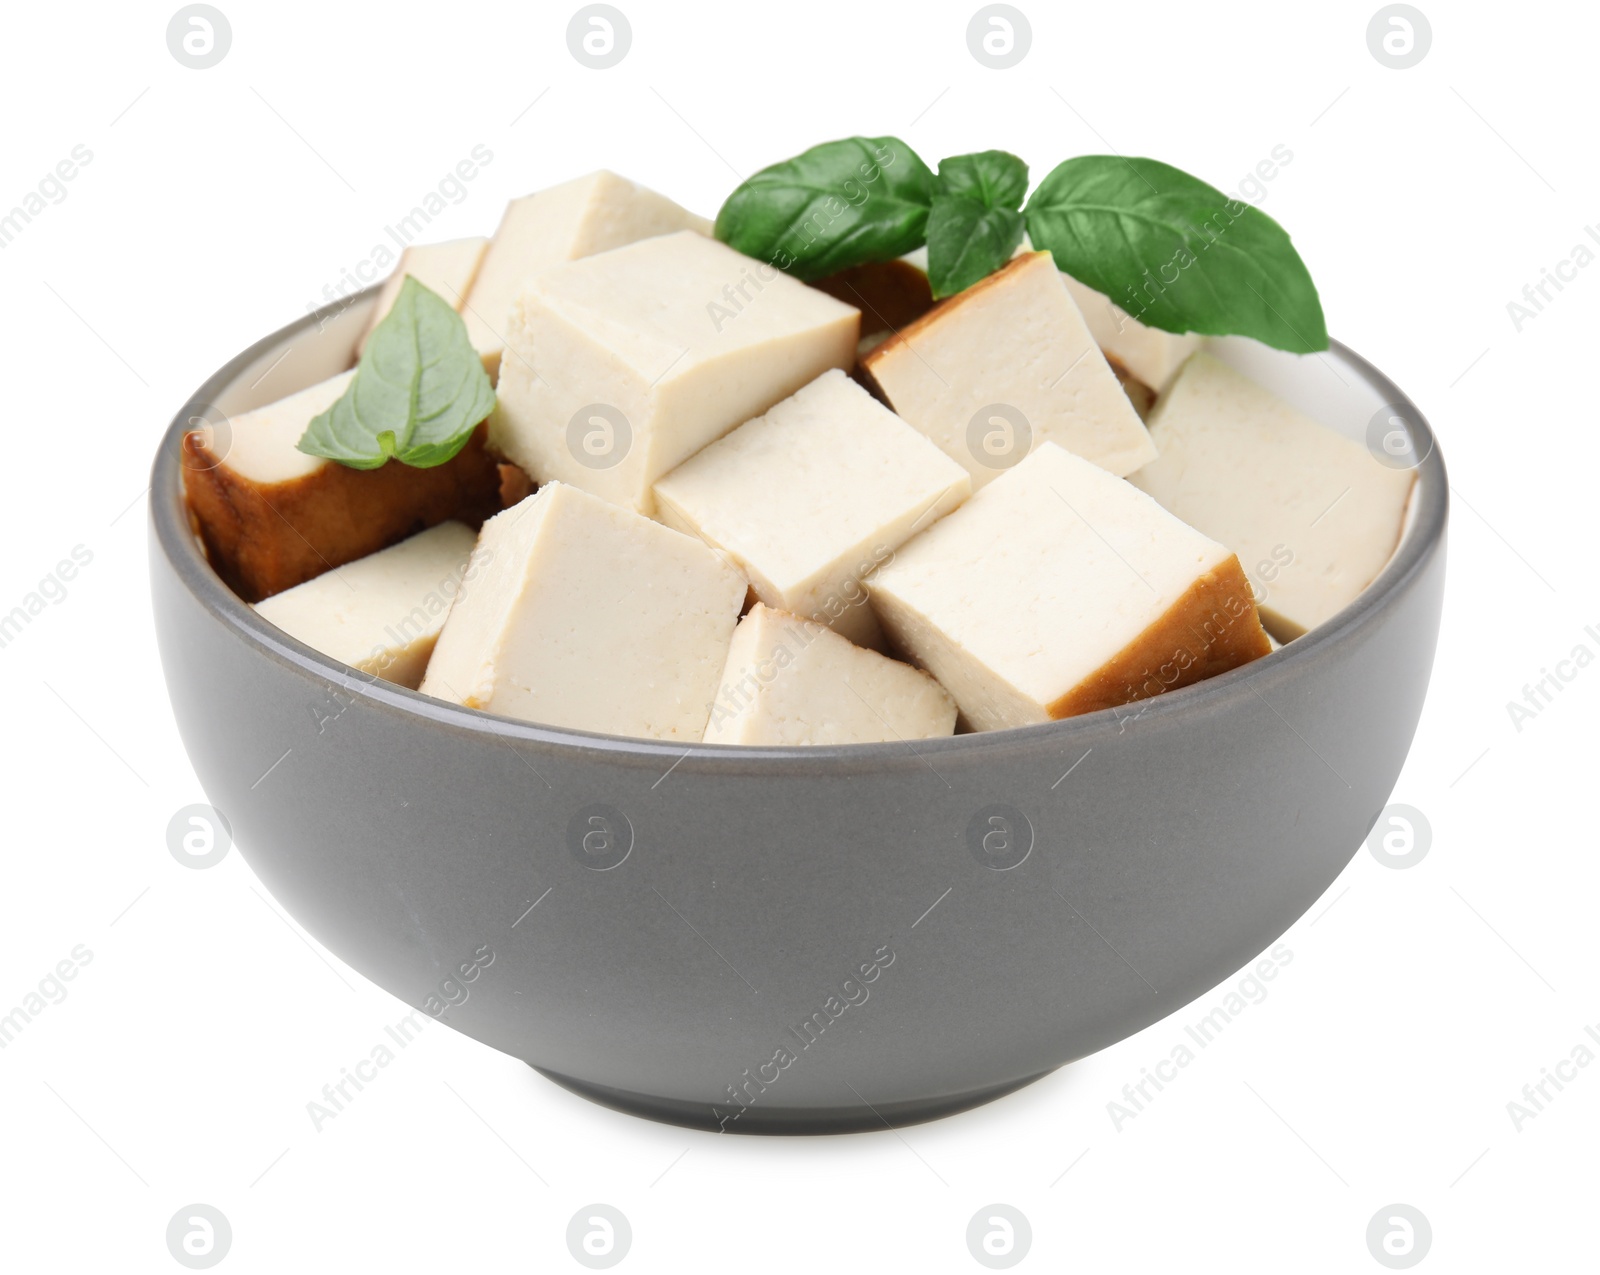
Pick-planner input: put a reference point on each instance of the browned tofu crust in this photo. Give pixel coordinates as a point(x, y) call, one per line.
point(1139, 394)
point(889, 294)
point(263, 538)
point(1212, 628)
point(515, 485)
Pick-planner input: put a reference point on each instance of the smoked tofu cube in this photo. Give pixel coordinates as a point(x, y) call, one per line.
point(1148, 355)
point(1059, 589)
point(629, 362)
point(1005, 366)
point(272, 517)
point(812, 496)
point(583, 615)
point(382, 613)
point(445, 269)
point(575, 219)
point(792, 681)
point(1312, 514)
point(889, 294)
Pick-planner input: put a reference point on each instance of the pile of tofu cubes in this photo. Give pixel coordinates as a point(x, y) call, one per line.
point(714, 503)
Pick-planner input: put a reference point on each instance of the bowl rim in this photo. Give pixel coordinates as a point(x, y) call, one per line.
point(170, 528)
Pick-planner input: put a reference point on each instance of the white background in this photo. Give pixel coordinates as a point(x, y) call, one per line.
point(1418, 1003)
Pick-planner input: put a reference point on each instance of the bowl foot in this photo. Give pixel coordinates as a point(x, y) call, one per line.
point(759, 1119)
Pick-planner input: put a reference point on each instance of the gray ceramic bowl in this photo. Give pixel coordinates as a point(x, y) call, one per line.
point(797, 940)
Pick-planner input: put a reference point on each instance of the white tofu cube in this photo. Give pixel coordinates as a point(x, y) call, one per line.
point(1149, 355)
point(627, 363)
point(382, 613)
point(1312, 514)
point(583, 615)
point(813, 496)
point(1005, 366)
point(792, 681)
point(1059, 589)
point(575, 219)
point(446, 269)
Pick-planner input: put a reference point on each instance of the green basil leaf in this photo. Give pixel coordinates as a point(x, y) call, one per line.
point(967, 241)
point(418, 393)
point(834, 206)
point(996, 179)
point(1175, 253)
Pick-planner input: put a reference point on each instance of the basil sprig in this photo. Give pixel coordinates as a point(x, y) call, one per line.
point(1172, 251)
point(1175, 253)
point(975, 221)
point(418, 393)
point(837, 205)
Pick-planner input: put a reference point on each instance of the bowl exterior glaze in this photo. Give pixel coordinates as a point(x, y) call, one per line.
point(798, 940)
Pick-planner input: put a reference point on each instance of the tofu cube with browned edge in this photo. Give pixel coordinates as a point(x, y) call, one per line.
point(1313, 515)
point(812, 496)
point(623, 365)
point(381, 614)
point(445, 269)
point(575, 219)
point(272, 517)
point(1059, 589)
point(1006, 366)
point(889, 294)
point(792, 681)
point(585, 615)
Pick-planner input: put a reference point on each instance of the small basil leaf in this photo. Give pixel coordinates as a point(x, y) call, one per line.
point(834, 206)
point(967, 241)
point(418, 393)
point(996, 179)
point(1175, 253)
